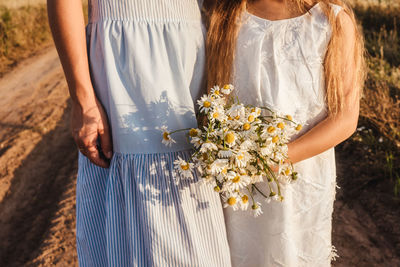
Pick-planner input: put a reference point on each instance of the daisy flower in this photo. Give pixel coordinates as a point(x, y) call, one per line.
point(194, 132)
point(225, 153)
point(196, 141)
point(256, 111)
point(227, 89)
point(266, 150)
point(241, 158)
point(166, 138)
point(237, 181)
point(256, 207)
point(183, 167)
point(237, 111)
point(208, 146)
point(218, 166)
point(205, 103)
point(248, 145)
point(244, 202)
point(230, 138)
point(231, 200)
point(217, 114)
point(216, 90)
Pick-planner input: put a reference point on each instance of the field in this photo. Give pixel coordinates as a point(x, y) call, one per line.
point(38, 157)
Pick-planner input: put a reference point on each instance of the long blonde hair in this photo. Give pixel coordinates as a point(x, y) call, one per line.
point(224, 17)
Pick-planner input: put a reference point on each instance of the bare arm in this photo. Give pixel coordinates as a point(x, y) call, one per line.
point(89, 121)
point(333, 130)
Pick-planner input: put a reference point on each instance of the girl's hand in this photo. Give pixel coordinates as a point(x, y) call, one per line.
point(90, 125)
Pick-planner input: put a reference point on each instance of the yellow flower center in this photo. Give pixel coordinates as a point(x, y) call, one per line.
point(216, 92)
point(193, 132)
point(271, 129)
point(250, 118)
point(254, 206)
point(237, 117)
point(166, 136)
point(299, 127)
point(215, 115)
point(224, 171)
point(217, 189)
point(236, 179)
point(245, 199)
point(229, 138)
point(275, 139)
point(230, 118)
point(231, 201)
point(289, 117)
point(246, 126)
point(226, 86)
point(287, 171)
point(207, 104)
point(281, 125)
point(240, 157)
point(185, 166)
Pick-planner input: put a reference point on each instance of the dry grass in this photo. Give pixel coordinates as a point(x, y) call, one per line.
point(20, 3)
point(23, 32)
point(379, 126)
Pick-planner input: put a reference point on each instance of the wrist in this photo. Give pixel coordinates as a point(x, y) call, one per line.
point(290, 153)
point(83, 98)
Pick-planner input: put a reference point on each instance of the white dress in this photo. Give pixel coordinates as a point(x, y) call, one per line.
point(280, 64)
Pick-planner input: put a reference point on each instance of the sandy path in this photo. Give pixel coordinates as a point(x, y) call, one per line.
point(37, 166)
point(38, 170)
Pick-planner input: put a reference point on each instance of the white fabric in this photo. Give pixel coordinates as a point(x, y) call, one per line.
point(280, 64)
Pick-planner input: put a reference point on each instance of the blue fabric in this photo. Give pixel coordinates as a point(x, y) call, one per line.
point(138, 214)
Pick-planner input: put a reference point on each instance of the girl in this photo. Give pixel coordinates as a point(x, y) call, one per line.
point(305, 59)
point(146, 61)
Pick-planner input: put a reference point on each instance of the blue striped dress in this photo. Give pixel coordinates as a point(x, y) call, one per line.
point(147, 61)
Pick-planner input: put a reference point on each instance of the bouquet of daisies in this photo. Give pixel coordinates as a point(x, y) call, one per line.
point(239, 147)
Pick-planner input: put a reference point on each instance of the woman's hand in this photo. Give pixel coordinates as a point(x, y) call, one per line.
point(90, 125)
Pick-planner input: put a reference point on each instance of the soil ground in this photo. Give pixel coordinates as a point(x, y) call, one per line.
point(38, 164)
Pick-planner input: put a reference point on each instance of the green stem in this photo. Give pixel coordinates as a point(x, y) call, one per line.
point(180, 130)
point(279, 117)
point(279, 188)
point(259, 191)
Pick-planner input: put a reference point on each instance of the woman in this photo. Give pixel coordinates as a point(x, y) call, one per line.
point(146, 62)
point(306, 59)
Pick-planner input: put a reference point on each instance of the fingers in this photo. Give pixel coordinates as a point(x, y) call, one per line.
point(105, 141)
point(93, 154)
point(87, 146)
